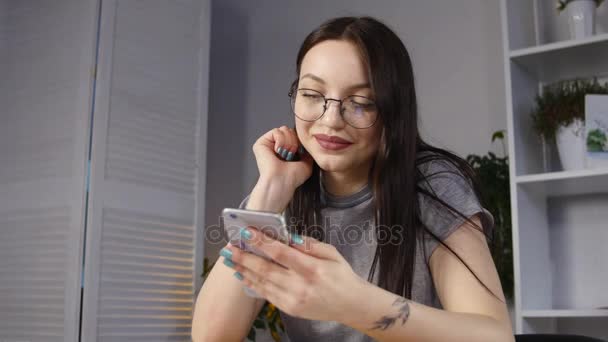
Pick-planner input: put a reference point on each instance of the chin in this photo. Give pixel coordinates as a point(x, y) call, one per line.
point(330, 163)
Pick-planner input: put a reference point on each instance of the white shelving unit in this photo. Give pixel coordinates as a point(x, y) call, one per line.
point(560, 218)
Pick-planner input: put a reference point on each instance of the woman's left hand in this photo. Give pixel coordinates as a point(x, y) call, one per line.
point(316, 283)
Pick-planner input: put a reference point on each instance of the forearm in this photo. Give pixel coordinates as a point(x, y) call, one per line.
point(388, 317)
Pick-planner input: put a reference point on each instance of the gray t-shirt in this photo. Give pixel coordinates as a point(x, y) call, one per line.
point(348, 225)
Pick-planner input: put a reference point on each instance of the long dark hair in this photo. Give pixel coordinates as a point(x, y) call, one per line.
point(395, 176)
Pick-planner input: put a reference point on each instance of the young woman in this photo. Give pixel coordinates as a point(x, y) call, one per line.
point(425, 274)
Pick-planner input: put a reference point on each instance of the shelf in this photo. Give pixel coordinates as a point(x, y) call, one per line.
point(564, 313)
point(566, 59)
point(559, 218)
point(565, 183)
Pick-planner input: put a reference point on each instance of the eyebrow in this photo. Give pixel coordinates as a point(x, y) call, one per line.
point(320, 80)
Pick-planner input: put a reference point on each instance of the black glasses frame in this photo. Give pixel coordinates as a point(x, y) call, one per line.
point(325, 106)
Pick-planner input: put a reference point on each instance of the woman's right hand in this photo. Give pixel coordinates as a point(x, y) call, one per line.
point(278, 167)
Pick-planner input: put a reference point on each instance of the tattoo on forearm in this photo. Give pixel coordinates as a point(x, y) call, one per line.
point(403, 312)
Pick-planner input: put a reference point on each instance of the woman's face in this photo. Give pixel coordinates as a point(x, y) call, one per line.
point(335, 69)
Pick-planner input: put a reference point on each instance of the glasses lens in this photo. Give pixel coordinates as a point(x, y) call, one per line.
point(307, 104)
point(359, 111)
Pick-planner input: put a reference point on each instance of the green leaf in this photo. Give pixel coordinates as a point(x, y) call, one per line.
point(251, 335)
point(259, 324)
point(493, 176)
point(562, 103)
point(498, 135)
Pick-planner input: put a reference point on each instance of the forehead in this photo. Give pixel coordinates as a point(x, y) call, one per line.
point(338, 62)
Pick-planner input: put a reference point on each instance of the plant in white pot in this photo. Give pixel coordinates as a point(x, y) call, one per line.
point(560, 116)
point(581, 16)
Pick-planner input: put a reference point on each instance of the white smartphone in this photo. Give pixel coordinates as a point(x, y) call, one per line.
point(271, 224)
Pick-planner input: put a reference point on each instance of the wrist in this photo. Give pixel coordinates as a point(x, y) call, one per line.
point(271, 195)
point(356, 312)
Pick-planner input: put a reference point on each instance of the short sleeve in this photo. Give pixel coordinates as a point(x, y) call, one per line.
point(446, 182)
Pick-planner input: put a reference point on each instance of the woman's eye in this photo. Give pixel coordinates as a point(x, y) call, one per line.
point(361, 105)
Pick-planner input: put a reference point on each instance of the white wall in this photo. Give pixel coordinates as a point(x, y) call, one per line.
point(456, 50)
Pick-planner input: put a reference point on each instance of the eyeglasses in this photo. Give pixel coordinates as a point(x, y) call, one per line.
point(310, 105)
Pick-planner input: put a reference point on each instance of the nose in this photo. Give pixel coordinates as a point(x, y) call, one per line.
point(333, 117)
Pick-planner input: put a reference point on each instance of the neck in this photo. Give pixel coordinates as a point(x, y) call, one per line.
point(345, 183)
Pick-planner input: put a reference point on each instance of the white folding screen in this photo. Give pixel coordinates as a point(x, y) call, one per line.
point(46, 59)
point(147, 173)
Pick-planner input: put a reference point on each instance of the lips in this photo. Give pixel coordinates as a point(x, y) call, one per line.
point(333, 143)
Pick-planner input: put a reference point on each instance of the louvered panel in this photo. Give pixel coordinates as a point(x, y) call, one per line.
point(169, 110)
point(46, 54)
point(161, 113)
point(153, 127)
point(33, 255)
point(34, 142)
point(146, 177)
point(182, 151)
point(154, 262)
point(165, 83)
point(145, 190)
point(3, 47)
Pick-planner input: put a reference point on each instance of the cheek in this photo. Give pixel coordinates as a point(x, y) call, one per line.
point(371, 139)
point(303, 131)
point(370, 144)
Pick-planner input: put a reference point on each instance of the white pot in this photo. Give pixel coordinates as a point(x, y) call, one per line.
point(571, 145)
point(581, 18)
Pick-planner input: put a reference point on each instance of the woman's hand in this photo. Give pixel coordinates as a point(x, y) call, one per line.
point(274, 153)
point(316, 282)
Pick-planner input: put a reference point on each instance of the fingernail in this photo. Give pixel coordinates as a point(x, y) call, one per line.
point(245, 234)
point(238, 275)
point(226, 253)
point(228, 263)
point(296, 239)
point(284, 153)
point(290, 155)
point(279, 149)
point(301, 149)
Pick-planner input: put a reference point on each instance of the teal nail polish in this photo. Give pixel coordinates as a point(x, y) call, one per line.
point(245, 234)
point(284, 153)
point(226, 253)
point(296, 239)
point(238, 276)
point(301, 149)
point(228, 263)
point(290, 155)
point(279, 149)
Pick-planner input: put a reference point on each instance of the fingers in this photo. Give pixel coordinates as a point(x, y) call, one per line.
point(280, 252)
point(316, 248)
point(283, 141)
point(257, 268)
point(288, 145)
point(267, 289)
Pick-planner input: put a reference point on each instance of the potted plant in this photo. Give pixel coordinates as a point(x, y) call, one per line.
point(493, 174)
point(267, 318)
point(581, 16)
point(559, 116)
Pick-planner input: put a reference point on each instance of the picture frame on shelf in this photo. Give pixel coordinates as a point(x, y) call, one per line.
point(596, 131)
